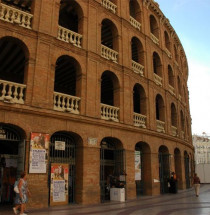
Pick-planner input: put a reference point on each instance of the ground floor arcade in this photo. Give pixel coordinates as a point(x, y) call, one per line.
point(88, 158)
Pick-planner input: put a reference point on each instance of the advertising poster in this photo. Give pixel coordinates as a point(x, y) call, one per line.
point(39, 146)
point(59, 184)
point(137, 166)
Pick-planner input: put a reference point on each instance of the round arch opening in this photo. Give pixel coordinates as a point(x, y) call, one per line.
point(164, 168)
point(12, 160)
point(112, 167)
point(62, 164)
point(143, 169)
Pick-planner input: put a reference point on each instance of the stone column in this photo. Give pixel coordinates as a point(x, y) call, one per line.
point(130, 171)
point(155, 190)
point(88, 174)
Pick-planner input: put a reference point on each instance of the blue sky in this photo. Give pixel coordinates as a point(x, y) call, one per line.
point(191, 21)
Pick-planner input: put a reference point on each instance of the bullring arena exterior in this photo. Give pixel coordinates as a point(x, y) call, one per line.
point(91, 86)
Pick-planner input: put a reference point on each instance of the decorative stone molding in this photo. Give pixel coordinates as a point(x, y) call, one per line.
point(15, 16)
point(160, 126)
point(12, 92)
point(69, 36)
point(108, 53)
point(174, 131)
point(154, 38)
point(109, 5)
point(158, 80)
point(139, 120)
point(66, 103)
point(168, 52)
point(135, 23)
point(138, 68)
point(109, 112)
point(171, 90)
point(146, 3)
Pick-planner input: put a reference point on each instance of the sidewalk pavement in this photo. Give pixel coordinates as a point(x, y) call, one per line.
point(183, 203)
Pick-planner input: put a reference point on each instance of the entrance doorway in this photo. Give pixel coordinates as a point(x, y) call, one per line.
point(142, 168)
point(112, 166)
point(187, 169)
point(178, 166)
point(164, 168)
point(12, 160)
point(62, 157)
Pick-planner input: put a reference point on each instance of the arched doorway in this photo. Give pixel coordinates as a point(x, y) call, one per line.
point(142, 168)
point(63, 157)
point(12, 160)
point(112, 165)
point(187, 169)
point(178, 166)
point(164, 168)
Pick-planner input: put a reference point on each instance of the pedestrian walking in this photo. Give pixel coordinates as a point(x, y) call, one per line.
point(22, 198)
point(17, 196)
point(196, 182)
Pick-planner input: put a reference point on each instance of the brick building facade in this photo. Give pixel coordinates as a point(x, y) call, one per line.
point(108, 78)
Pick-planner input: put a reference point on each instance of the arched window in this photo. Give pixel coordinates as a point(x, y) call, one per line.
point(176, 54)
point(139, 106)
point(110, 96)
point(167, 41)
point(135, 14)
point(70, 16)
point(139, 99)
point(14, 57)
point(182, 121)
point(170, 76)
point(66, 73)
point(137, 51)
point(109, 40)
point(154, 29)
point(160, 108)
point(157, 66)
point(70, 22)
point(179, 86)
point(66, 84)
point(173, 115)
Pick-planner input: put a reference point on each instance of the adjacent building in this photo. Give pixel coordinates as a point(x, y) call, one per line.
point(202, 157)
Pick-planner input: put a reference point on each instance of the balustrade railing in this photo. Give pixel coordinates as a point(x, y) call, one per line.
point(13, 15)
point(69, 36)
point(135, 23)
point(158, 80)
point(68, 103)
point(154, 39)
point(109, 112)
point(108, 53)
point(168, 52)
point(160, 126)
point(174, 131)
point(182, 134)
point(171, 90)
point(138, 68)
point(139, 120)
point(12, 92)
point(180, 98)
point(109, 5)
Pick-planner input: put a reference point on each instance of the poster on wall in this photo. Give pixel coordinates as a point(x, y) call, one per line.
point(59, 184)
point(137, 166)
point(39, 146)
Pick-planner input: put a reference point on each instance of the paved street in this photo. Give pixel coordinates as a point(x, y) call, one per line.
point(183, 203)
